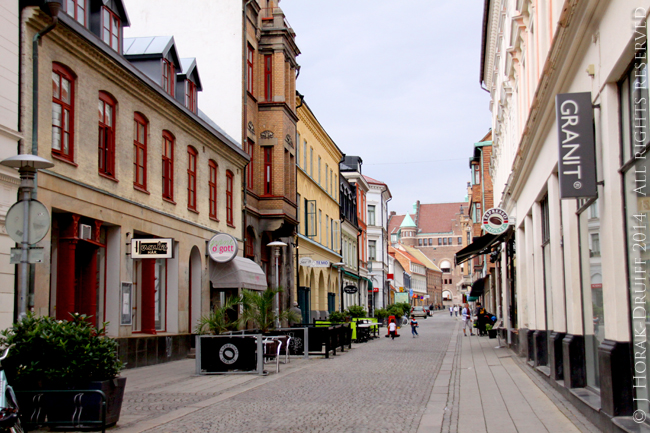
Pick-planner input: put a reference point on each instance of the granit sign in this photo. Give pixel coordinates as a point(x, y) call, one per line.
point(577, 162)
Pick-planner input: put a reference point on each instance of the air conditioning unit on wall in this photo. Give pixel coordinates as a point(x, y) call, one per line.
point(84, 231)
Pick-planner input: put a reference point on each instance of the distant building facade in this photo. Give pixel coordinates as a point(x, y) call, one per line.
point(378, 197)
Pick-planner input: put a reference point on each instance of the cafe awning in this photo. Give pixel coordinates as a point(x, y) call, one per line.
point(238, 273)
point(481, 245)
point(478, 287)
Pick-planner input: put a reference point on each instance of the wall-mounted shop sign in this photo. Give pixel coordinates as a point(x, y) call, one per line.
point(350, 289)
point(577, 161)
point(222, 248)
point(152, 248)
point(305, 261)
point(320, 264)
point(495, 221)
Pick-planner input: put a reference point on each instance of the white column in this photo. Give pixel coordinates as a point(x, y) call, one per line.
point(557, 256)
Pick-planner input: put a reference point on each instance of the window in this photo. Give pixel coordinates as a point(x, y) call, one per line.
point(212, 187)
point(168, 76)
point(477, 174)
point(430, 241)
point(268, 77)
point(160, 296)
point(191, 177)
point(62, 112)
point(320, 226)
point(372, 250)
point(249, 69)
point(140, 151)
point(445, 267)
point(111, 29)
point(304, 156)
point(419, 242)
point(444, 241)
point(268, 170)
point(332, 184)
point(229, 181)
point(327, 179)
point(371, 217)
point(168, 166)
point(77, 10)
point(595, 245)
point(298, 212)
point(298, 150)
point(460, 240)
point(311, 162)
point(190, 96)
point(106, 139)
point(249, 246)
point(310, 218)
point(319, 171)
point(449, 241)
point(250, 172)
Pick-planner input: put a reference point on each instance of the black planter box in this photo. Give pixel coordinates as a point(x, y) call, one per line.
point(492, 333)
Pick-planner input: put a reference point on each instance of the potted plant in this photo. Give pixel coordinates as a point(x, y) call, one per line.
point(492, 333)
point(337, 317)
point(381, 314)
point(356, 311)
point(52, 354)
point(219, 321)
point(258, 309)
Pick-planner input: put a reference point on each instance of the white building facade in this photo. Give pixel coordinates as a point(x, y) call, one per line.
point(377, 200)
point(573, 290)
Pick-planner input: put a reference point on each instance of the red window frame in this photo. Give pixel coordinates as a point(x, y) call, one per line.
point(249, 246)
point(111, 29)
point(250, 55)
point(212, 187)
point(168, 166)
point(229, 185)
point(250, 170)
point(106, 139)
point(63, 123)
point(191, 177)
point(77, 8)
point(168, 76)
point(190, 96)
point(268, 77)
point(140, 126)
point(268, 170)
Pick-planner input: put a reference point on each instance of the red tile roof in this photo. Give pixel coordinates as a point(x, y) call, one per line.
point(394, 223)
point(439, 217)
point(371, 180)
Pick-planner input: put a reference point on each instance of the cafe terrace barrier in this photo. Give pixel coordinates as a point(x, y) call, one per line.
point(299, 340)
point(329, 336)
point(229, 354)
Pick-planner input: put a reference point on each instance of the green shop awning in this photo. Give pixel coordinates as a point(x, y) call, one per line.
point(351, 275)
point(369, 283)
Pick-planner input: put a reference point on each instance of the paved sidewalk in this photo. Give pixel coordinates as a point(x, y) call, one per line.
point(484, 388)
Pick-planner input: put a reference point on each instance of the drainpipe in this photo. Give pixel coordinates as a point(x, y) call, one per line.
point(53, 7)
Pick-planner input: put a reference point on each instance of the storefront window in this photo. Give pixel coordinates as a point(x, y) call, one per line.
point(161, 284)
point(592, 290)
point(636, 140)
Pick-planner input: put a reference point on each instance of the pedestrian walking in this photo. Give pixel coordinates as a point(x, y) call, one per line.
point(467, 320)
point(392, 329)
point(414, 326)
point(456, 310)
point(451, 311)
point(298, 315)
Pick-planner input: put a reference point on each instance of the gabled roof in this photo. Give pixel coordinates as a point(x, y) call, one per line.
point(422, 257)
point(117, 6)
point(190, 71)
point(151, 47)
point(394, 223)
point(408, 221)
point(439, 217)
point(403, 257)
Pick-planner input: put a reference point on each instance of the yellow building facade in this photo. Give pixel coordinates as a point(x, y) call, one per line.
point(319, 228)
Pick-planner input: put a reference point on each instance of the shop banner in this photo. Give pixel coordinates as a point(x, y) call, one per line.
point(153, 248)
point(577, 160)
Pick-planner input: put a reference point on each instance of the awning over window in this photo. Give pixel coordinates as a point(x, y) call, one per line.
point(369, 283)
point(478, 287)
point(238, 273)
point(481, 245)
point(351, 275)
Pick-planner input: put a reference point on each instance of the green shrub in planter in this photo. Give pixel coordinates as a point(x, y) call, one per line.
point(381, 313)
point(337, 317)
point(58, 354)
point(356, 311)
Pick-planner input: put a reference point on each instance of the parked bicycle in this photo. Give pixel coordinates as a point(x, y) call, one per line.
point(9, 420)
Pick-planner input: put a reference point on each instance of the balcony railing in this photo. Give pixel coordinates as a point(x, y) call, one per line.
point(267, 14)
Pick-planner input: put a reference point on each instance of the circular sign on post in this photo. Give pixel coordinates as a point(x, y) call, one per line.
point(222, 248)
point(495, 221)
point(39, 221)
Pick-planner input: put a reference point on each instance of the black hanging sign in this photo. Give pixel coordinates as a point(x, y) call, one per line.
point(350, 289)
point(577, 161)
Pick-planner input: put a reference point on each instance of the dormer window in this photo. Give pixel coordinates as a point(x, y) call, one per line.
point(168, 76)
point(190, 96)
point(110, 28)
point(77, 10)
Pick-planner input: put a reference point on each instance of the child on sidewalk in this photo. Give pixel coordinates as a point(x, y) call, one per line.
point(414, 325)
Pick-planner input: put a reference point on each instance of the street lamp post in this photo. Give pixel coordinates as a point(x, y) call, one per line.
point(276, 248)
point(27, 166)
point(339, 266)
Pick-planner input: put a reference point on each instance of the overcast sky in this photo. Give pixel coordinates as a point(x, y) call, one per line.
point(397, 83)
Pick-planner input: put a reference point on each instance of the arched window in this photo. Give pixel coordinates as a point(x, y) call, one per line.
point(106, 139)
point(191, 177)
point(229, 187)
point(249, 247)
point(140, 126)
point(168, 166)
point(212, 187)
point(63, 80)
point(445, 266)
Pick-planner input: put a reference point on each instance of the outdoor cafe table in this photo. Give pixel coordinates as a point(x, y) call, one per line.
point(363, 332)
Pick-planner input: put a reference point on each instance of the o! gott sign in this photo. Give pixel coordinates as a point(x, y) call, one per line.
point(222, 248)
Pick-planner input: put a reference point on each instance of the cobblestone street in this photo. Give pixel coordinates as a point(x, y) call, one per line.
point(437, 382)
